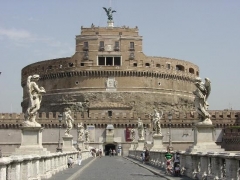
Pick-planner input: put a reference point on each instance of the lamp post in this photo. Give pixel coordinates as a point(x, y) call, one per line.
point(170, 133)
point(59, 149)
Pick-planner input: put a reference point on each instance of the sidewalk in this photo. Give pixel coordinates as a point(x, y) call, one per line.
point(158, 171)
point(72, 173)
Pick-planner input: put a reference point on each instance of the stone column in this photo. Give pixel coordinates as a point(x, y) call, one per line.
point(35, 167)
point(215, 165)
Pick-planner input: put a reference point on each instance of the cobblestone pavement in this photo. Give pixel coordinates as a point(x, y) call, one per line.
point(113, 168)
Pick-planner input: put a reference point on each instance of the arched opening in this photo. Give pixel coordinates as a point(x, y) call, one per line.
point(108, 147)
point(191, 70)
point(179, 68)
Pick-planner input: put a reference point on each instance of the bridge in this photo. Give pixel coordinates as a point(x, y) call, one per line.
point(194, 165)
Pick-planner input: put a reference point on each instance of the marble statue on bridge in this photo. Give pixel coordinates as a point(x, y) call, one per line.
point(35, 98)
point(156, 117)
point(132, 134)
point(87, 138)
point(68, 120)
point(201, 95)
point(140, 130)
point(80, 131)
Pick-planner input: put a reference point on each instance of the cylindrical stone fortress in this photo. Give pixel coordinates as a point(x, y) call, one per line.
point(109, 66)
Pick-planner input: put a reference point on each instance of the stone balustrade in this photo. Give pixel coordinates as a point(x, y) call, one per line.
point(210, 165)
point(22, 167)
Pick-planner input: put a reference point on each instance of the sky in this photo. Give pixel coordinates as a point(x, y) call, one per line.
point(206, 33)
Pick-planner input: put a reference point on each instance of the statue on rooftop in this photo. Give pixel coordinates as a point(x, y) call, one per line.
point(109, 12)
point(68, 120)
point(35, 98)
point(140, 129)
point(156, 117)
point(201, 95)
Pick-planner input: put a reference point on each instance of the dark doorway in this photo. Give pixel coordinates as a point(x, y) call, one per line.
point(108, 147)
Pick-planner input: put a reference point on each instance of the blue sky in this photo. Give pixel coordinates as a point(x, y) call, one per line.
point(206, 33)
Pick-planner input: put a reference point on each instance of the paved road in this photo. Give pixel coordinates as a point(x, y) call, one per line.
point(113, 168)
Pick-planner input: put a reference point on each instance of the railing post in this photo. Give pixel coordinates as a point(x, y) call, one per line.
point(231, 167)
point(15, 168)
point(4, 163)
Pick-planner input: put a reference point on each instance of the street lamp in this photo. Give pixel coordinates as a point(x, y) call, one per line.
point(170, 133)
point(59, 149)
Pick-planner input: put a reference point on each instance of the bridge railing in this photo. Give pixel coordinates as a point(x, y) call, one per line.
point(199, 165)
point(22, 167)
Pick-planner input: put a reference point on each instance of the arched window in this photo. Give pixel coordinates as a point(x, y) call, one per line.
point(180, 68)
point(191, 70)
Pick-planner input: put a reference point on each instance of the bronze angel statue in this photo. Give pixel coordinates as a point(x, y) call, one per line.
point(201, 95)
point(109, 12)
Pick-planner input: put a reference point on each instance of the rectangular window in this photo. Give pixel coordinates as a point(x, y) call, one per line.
point(169, 66)
point(101, 61)
point(101, 44)
point(116, 45)
point(131, 45)
point(110, 113)
point(109, 61)
point(117, 61)
point(85, 44)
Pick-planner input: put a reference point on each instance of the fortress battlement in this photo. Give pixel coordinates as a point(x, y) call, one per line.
point(50, 119)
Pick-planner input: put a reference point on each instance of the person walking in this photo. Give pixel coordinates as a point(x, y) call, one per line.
point(168, 158)
point(110, 152)
point(100, 153)
point(79, 158)
point(143, 156)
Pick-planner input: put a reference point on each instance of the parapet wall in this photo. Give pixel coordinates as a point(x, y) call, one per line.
point(100, 120)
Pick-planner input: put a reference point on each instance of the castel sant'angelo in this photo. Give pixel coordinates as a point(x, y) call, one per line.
point(110, 81)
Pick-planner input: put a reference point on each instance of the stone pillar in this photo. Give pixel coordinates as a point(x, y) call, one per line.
point(140, 145)
point(14, 171)
point(232, 166)
point(203, 171)
point(35, 167)
point(31, 142)
point(215, 165)
point(68, 144)
point(204, 140)
point(158, 143)
point(3, 166)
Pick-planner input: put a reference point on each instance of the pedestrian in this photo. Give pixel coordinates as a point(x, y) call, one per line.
point(168, 158)
point(79, 158)
point(176, 160)
point(100, 153)
point(143, 156)
point(114, 152)
point(110, 152)
point(147, 156)
point(70, 162)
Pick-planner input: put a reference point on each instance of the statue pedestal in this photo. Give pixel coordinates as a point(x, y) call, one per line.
point(86, 145)
point(133, 145)
point(80, 144)
point(204, 140)
point(140, 145)
point(68, 144)
point(31, 142)
point(110, 23)
point(158, 142)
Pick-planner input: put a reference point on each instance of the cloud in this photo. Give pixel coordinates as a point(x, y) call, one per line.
point(15, 34)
